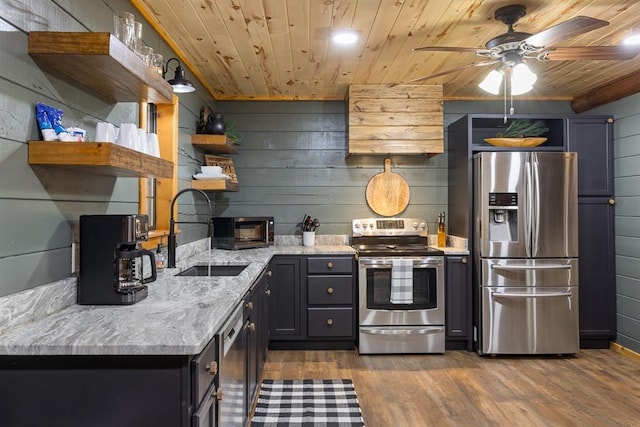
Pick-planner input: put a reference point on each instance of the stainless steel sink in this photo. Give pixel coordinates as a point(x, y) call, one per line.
point(213, 270)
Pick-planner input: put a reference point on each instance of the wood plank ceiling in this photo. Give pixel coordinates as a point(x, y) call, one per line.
point(281, 49)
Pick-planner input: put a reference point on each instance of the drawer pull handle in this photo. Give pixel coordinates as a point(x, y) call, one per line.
point(219, 394)
point(212, 368)
point(329, 265)
point(269, 273)
point(464, 260)
point(330, 291)
point(249, 305)
point(268, 292)
point(252, 326)
point(329, 322)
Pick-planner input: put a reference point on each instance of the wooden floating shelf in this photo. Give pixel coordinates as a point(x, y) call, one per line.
point(215, 185)
point(213, 143)
point(99, 158)
point(100, 62)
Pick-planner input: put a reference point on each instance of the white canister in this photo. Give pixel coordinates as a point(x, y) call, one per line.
point(308, 238)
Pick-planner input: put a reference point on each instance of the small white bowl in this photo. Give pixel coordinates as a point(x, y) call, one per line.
point(211, 170)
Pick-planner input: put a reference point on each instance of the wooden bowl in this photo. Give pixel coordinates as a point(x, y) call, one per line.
point(515, 142)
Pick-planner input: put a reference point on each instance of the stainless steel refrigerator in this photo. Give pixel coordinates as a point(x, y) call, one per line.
point(526, 252)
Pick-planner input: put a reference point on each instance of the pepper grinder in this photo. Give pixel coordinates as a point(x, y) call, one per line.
point(442, 230)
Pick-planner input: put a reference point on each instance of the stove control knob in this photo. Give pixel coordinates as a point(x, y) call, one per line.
point(423, 226)
point(371, 226)
point(415, 225)
point(365, 226)
point(356, 225)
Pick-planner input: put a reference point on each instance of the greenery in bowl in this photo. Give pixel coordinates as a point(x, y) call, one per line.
point(231, 131)
point(524, 128)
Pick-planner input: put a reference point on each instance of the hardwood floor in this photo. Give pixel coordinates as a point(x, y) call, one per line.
point(594, 388)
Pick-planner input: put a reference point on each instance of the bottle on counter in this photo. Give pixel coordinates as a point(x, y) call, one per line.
point(442, 230)
point(160, 261)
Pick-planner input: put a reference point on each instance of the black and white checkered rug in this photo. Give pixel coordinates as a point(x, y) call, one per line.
point(321, 403)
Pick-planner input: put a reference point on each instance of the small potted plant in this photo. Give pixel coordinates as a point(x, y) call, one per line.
point(521, 133)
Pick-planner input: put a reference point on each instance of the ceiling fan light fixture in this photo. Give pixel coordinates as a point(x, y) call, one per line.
point(522, 79)
point(179, 83)
point(492, 82)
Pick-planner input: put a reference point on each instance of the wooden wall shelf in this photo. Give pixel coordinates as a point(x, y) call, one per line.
point(101, 63)
point(98, 158)
point(215, 185)
point(213, 143)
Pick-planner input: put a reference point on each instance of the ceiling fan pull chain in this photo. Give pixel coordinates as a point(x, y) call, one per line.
point(504, 82)
point(511, 110)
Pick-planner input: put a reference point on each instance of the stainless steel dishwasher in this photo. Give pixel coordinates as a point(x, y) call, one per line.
point(232, 371)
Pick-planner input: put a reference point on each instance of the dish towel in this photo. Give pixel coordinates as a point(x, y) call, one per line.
point(402, 281)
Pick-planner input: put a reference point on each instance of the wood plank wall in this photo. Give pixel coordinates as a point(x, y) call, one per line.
point(627, 217)
point(40, 206)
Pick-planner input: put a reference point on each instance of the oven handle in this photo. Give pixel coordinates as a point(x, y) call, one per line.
point(400, 331)
point(417, 262)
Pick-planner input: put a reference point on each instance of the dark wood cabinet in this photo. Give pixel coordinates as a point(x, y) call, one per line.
point(312, 302)
point(592, 139)
point(285, 319)
point(256, 310)
point(458, 307)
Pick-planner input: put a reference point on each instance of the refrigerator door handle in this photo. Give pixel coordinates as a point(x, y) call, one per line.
point(528, 208)
point(535, 205)
point(517, 267)
point(495, 294)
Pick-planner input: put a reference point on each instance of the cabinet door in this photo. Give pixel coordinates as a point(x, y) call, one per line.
point(252, 310)
point(205, 415)
point(592, 139)
point(284, 308)
point(596, 272)
point(458, 300)
point(263, 322)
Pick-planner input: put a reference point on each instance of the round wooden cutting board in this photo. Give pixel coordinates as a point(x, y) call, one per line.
point(388, 193)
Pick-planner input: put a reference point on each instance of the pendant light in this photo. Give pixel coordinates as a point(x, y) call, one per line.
point(179, 83)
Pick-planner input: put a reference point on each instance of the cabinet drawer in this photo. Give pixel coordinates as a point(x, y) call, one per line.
point(205, 369)
point(330, 322)
point(330, 265)
point(329, 290)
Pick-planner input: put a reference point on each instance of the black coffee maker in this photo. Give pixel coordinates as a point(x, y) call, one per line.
point(112, 266)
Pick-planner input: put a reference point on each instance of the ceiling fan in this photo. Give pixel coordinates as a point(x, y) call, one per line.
point(513, 47)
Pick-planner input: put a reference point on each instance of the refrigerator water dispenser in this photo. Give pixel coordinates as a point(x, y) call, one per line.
point(503, 217)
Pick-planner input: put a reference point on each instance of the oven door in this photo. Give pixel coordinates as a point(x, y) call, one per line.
point(375, 307)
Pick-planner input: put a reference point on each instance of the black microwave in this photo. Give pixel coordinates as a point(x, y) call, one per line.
point(242, 232)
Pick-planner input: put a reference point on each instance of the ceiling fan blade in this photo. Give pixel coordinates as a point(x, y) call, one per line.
point(576, 53)
point(453, 70)
point(564, 30)
point(475, 50)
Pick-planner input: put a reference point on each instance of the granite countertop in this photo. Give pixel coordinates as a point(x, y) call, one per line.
point(179, 317)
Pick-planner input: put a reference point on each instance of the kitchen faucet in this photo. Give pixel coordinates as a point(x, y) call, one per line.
point(171, 239)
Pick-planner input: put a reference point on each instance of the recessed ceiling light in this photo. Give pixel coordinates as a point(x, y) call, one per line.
point(345, 36)
point(632, 39)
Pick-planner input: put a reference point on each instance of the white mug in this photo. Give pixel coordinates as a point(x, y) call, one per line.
point(128, 135)
point(153, 146)
point(142, 146)
point(105, 132)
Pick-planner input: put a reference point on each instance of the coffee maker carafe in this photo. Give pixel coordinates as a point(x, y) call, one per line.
point(112, 265)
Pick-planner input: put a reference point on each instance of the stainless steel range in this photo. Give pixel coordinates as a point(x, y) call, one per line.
point(401, 287)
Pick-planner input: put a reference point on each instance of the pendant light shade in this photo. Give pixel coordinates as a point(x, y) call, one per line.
point(522, 79)
point(179, 83)
point(492, 82)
